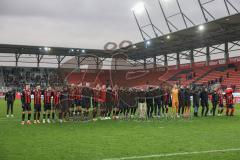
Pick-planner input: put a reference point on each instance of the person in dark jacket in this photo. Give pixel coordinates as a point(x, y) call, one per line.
point(133, 102)
point(204, 101)
point(181, 97)
point(87, 93)
point(187, 101)
point(64, 97)
point(215, 99)
point(196, 99)
point(158, 103)
point(10, 98)
point(149, 100)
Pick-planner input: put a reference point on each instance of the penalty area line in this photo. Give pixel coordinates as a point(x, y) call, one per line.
point(175, 154)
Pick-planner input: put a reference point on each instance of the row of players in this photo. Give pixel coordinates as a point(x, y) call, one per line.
point(125, 101)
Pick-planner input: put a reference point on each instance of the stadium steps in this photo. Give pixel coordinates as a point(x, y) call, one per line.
point(205, 71)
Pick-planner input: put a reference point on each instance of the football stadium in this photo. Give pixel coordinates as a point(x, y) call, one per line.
point(120, 80)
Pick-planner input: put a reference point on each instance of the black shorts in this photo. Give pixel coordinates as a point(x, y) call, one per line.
point(78, 102)
point(86, 102)
point(37, 108)
point(72, 103)
point(230, 106)
point(56, 106)
point(220, 105)
point(26, 107)
point(187, 103)
point(47, 107)
point(95, 104)
point(103, 105)
point(64, 108)
point(109, 104)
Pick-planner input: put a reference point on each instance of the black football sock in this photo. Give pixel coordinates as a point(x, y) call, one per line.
point(53, 115)
point(202, 111)
point(44, 115)
point(34, 116)
point(166, 110)
point(23, 116)
point(48, 115)
point(8, 109)
point(221, 111)
point(94, 113)
point(29, 116)
point(109, 113)
point(135, 109)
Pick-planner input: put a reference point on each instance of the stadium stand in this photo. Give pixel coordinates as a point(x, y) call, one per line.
point(224, 75)
point(16, 77)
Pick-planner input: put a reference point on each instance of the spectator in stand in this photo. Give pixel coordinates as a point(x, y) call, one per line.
point(228, 75)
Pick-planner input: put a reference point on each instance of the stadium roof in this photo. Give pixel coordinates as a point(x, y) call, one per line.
point(223, 30)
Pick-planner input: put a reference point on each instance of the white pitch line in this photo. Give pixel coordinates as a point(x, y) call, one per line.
point(174, 154)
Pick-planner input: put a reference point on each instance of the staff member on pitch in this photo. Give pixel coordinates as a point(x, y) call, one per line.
point(10, 97)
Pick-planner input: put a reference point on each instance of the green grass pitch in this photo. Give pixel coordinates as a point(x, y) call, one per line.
point(118, 139)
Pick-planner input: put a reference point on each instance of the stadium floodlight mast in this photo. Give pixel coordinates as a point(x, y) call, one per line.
point(138, 8)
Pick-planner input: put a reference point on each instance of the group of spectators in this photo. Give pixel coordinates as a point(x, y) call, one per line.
point(17, 77)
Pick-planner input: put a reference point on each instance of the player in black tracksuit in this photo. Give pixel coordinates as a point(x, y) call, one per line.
point(87, 93)
point(149, 100)
point(64, 102)
point(158, 102)
point(181, 96)
point(10, 98)
point(187, 101)
point(196, 99)
point(133, 102)
point(215, 99)
point(204, 101)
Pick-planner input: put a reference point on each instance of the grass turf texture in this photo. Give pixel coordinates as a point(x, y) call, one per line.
point(114, 139)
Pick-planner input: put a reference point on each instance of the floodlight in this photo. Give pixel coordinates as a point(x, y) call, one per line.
point(148, 43)
point(138, 8)
point(168, 37)
point(83, 51)
point(201, 27)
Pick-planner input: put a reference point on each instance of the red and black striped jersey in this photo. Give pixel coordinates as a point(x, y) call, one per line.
point(47, 97)
point(71, 94)
point(77, 93)
point(56, 97)
point(103, 93)
point(27, 96)
point(229, 99)
point(37, 96)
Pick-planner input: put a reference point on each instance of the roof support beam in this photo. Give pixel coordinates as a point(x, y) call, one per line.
point(208, 58)
point(165, 60)
point(191, 58)
point(59, 60)
point(178, 60)
point(17, 56)
point(226, 53)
